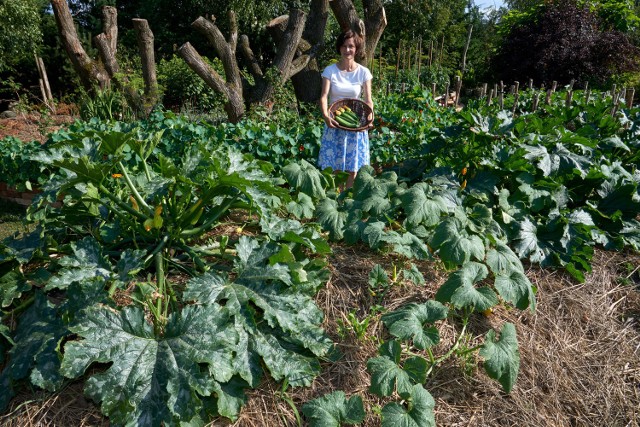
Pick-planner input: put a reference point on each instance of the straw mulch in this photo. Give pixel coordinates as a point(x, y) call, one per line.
point(580, 354)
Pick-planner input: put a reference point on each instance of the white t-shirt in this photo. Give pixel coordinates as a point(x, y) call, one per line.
point(346, 84)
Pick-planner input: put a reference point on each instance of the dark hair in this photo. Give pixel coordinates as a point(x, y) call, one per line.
point(349, 34)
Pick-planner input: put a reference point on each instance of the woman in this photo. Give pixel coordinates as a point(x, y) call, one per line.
point(344, 150)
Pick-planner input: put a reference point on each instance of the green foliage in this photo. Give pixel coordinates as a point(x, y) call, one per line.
point(106, 105)
point(20, 33)
point(184, 89)
point(334, 410)
point(502, 357)
point(16, 165)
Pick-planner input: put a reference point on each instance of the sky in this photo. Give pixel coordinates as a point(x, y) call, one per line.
point(489, 3)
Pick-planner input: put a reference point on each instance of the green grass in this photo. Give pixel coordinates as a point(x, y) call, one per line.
point(11, 216)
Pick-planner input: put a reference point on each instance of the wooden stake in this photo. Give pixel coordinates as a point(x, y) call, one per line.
point(466, 47)
point(458, 90)
point(569, 98)
point(431, 54)
point(587, 95)
point(398, 57)
point(501, 100)
point(484, 90)
point(630, 94)
point(554, 86)
point(547, 100)
point(517, 87)
point(446, 95)
point(530, 83)
point(490, 97)
point(515, 103)
point(419, 56)
point(536, 99)
point(433, 89)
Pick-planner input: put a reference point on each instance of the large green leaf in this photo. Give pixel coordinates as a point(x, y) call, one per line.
point(528, 245)
point(460, 290)
point(12, 283)
point(152, 380)
point(387, 375)
point(515, 287)
point(454, 245)
point(410, 322)
point(277, 321)
point(331, 218)
point(86, 263)
point(39, 332)
point(501, 356)
point(334, 410)
point(420, 207)
point(407, 244)
point(502, 260)
point(417, 413)
point(303, 207)
point(306, 178)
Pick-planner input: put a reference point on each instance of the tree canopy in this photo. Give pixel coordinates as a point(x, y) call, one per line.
point(20, 32)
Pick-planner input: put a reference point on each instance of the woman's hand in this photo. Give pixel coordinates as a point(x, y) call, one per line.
point(330, 121)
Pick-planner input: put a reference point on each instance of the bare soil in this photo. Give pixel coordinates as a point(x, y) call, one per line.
point(580, 350)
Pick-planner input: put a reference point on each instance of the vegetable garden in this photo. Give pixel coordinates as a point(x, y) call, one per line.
point(174, 267)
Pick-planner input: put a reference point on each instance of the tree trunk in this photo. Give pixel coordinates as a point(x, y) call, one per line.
point(89, 71)
point(234, 105)
point(234, 88)
point(121, 82)
point(110, 27)
point(145, 46)
point(308, 82)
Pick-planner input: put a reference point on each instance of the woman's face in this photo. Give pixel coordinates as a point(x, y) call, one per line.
point(348, 48)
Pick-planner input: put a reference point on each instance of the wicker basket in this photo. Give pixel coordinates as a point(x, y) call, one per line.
point(362, 110)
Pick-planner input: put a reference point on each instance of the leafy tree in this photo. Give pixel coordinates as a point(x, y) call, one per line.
point(563, 40)
point(20, 32)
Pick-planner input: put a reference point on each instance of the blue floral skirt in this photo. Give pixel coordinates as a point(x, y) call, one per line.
point(344, 150)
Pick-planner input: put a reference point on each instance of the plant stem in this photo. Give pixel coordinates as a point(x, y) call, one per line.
point(465, 322)
point(133, 189)
point(120, 204)
point(19, 309)
point(160, 281)
point(207, 225)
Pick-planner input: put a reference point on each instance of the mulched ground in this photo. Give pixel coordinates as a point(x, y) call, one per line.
point(36, 126)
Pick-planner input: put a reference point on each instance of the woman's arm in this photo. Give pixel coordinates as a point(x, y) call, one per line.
point(324, 107)
point(367, 96)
